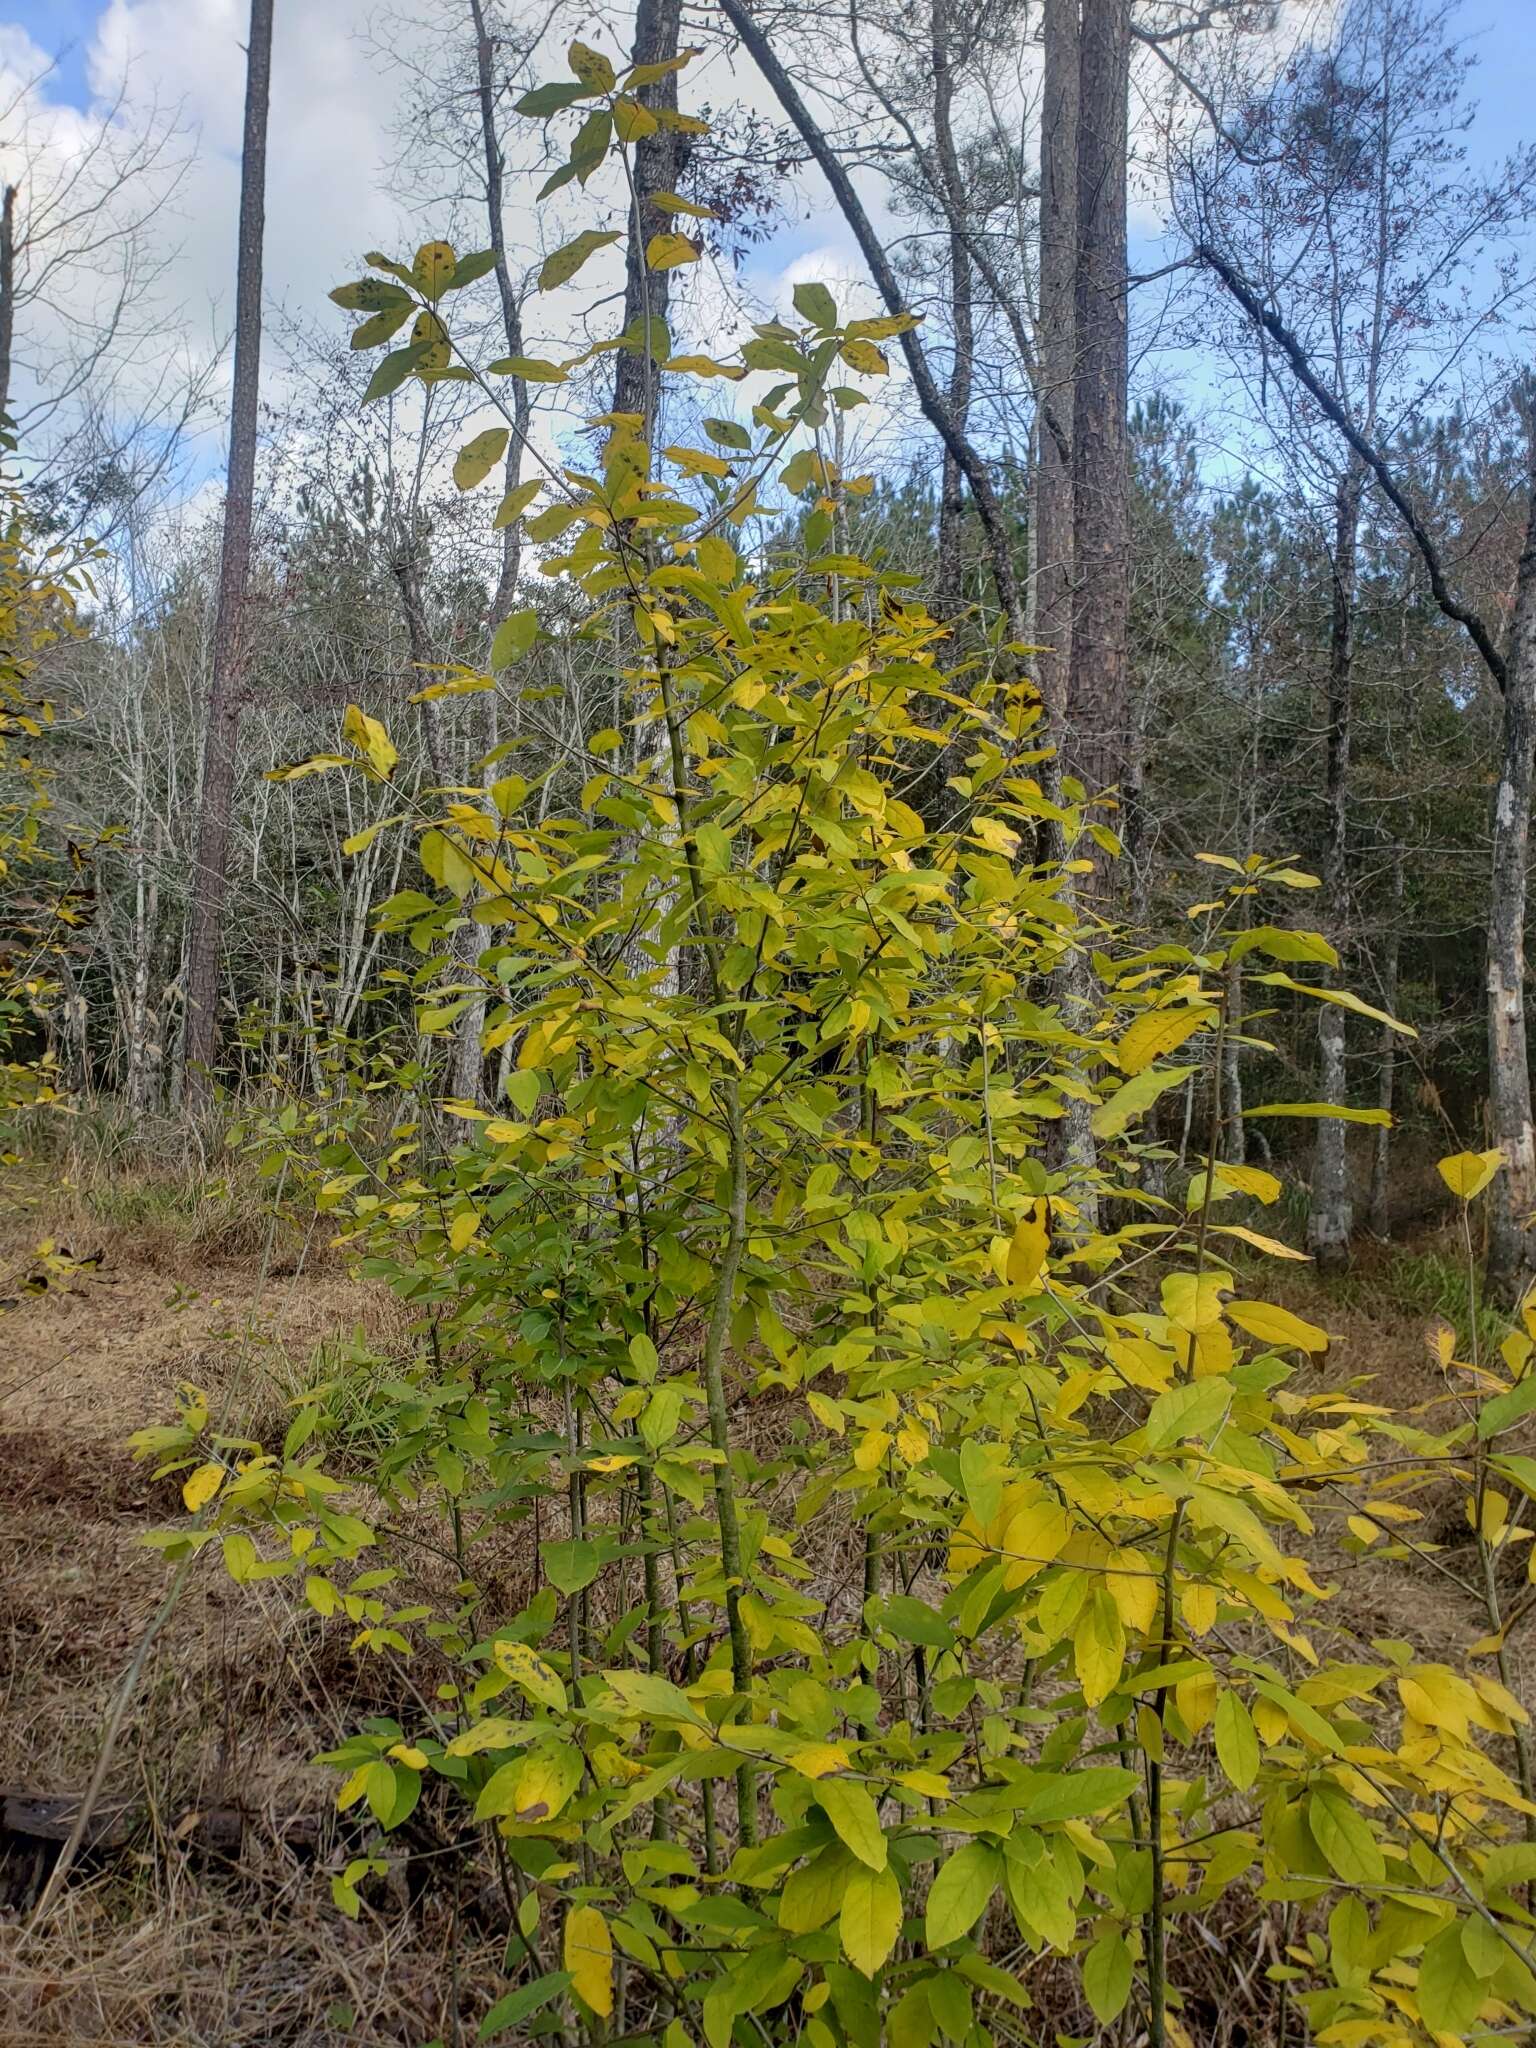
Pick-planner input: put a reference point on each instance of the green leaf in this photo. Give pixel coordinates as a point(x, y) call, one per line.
point(856, 1819)
point(913, 1621)
point(869, 1920)
point(572, 1564)
point(563, 265)
point(372, 295)
point(513, 638)
point(1237, 1740)
point(523, 2003)
point(469, 269)
point(1280, 944)
point(815, 303)
point(1344, 1836)
point(477, 458)
point(545, 100)
point(1135, 1098)
point(516, 503)
point(1072, 1795)
point(381, 327)
point(1508, 1408)
point(961, 1893)
point(1450, 1990)
point(1339, 1112)
point(445, 863)
point(1197, 1408)
point(393, 371)
point(1107, 1977)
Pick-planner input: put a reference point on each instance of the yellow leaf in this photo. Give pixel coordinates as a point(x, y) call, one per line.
point(1197, 1604)
point(370, 740)
point(670, 251)
point(1192, 1301)
point(1271, 1245)
point(528, 1669)
point(817, 1759)
point(476, 458)
point(202, 1486)
point(871, 1448)
point(463, 1228)
point(1033, 1538)
point(1273, 1325)
point(1467, 1173)
point(1030, 1243)
point(408, 1754)
point(1157, 1033)
point(589, 1958)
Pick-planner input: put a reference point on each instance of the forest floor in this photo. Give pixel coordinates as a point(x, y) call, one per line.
point(199, 1912)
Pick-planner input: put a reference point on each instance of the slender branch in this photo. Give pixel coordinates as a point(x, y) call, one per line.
point(1271, 324)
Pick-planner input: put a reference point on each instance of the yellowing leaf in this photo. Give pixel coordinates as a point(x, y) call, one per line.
point(869, 1920)
point(589, 1958)
point(1237, 1742)
point(527, 1668)
point(433, 269)
point(864, 356)
point(1339, 1112)
point(476, 459)
point(1273, 1325)
point(463, 1227)
point(1098, 1647)
point(855, 1818)
point(200, 1488)
point(1467, 1173)
point(961, 1893)
point(563, 265)
point(1344, 998)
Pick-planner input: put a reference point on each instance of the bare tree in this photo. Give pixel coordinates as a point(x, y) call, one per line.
point(221, 738)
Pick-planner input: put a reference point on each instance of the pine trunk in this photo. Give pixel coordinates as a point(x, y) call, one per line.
point(221, 737)
point(1098, 709)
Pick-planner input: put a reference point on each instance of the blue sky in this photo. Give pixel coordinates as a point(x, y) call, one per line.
point(331, 110)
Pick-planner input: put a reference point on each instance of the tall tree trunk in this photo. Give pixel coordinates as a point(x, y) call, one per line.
point(1332, 1212)
point(950, 581)
point(1057, 358)
point(1386, 1077)
point(221, 736)
point(467, 1067)
point(657, 166)
point(1512, 1194)
point(511, 310)
point(1098, 708)
point(7, 294)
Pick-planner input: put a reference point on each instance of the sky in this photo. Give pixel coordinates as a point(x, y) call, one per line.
point(336, 101)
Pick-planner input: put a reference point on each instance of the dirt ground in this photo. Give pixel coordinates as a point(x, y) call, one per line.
point(204, 1918)
point(173, 1929)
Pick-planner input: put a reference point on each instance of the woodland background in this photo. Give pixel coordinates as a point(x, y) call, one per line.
point(1247, 650)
